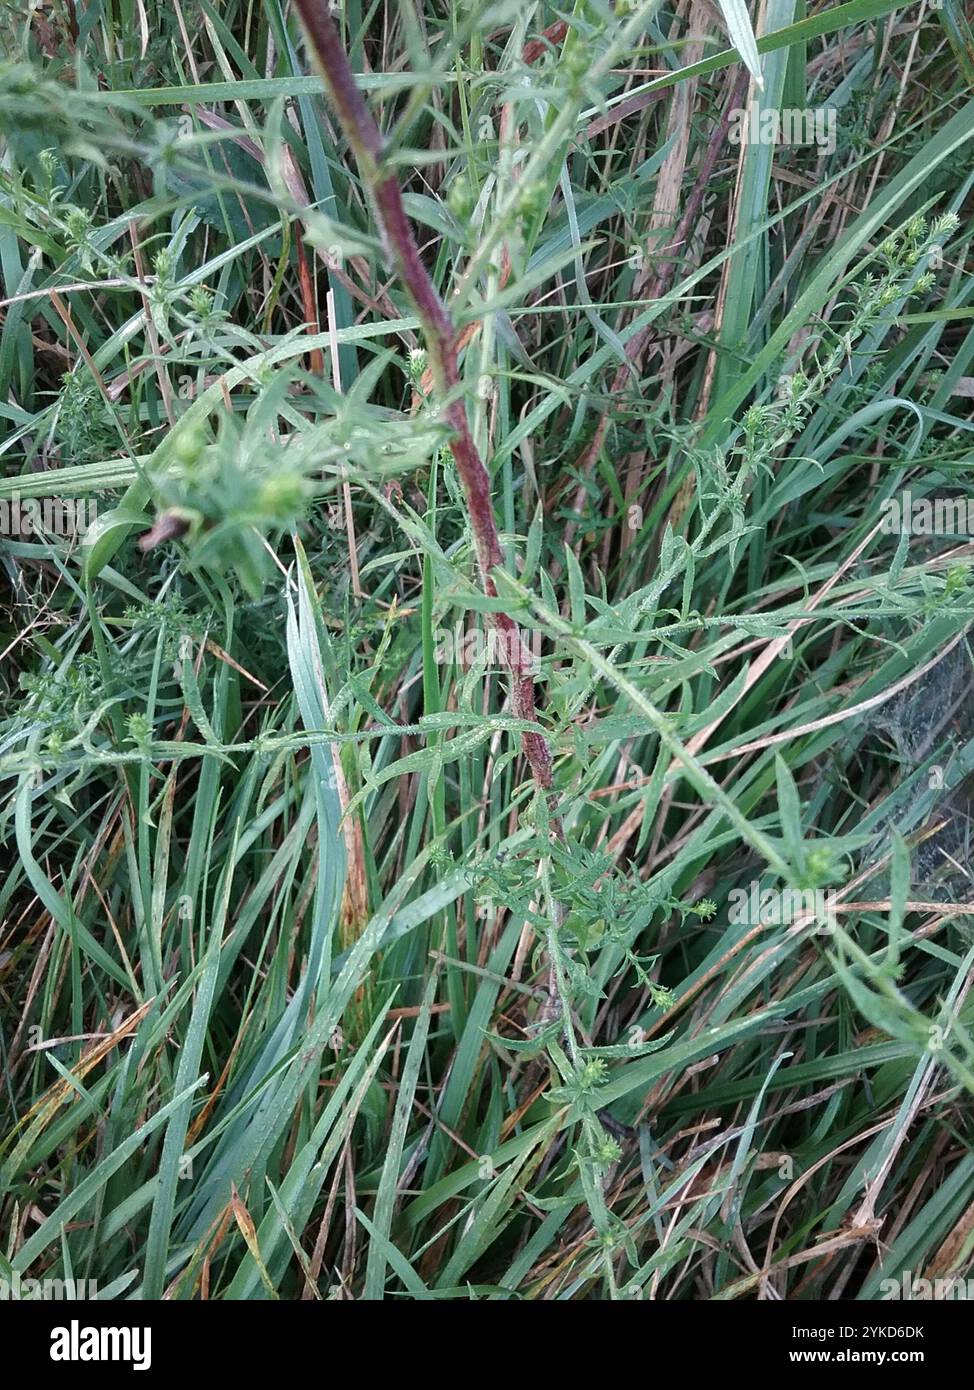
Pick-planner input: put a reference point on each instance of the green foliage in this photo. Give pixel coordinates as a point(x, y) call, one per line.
point(385, 1021)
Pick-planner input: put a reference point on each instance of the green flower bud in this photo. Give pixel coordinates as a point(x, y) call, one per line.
point(533, 200)
point(461, 198)
point(819, 863)
point(188, 443)
point(282, 496)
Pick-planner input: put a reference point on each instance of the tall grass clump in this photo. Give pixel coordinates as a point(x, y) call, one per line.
point(485, 756)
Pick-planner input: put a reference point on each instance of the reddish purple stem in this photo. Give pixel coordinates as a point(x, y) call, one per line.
point(439, 335)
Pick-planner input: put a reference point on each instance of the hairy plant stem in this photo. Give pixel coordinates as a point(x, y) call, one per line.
point(439, 334)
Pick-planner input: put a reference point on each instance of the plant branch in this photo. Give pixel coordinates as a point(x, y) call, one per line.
point(440, 337)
